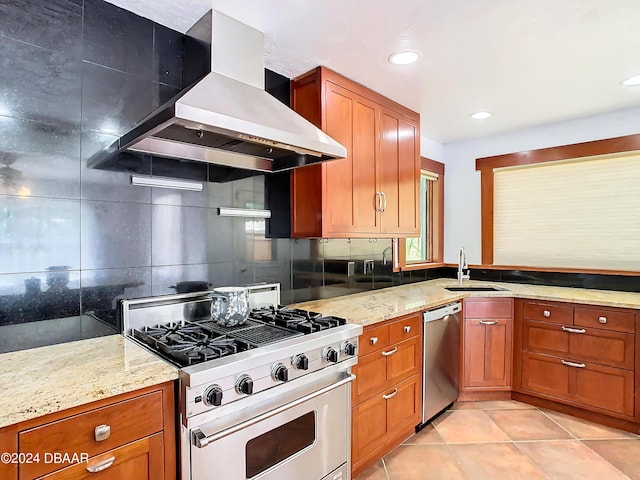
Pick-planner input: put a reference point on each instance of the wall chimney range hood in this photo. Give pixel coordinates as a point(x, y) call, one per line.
point(226, 118)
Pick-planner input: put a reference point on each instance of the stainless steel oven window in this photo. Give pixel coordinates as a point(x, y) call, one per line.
point(274, 446)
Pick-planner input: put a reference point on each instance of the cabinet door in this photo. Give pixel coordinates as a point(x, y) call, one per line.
point(603, 387)
point(369, 426)
point(487, 352)
point(399, 171)
point(139, 460)
point(371, 377)
point(350, 183)
point(403, 360)
point(545, 374)
point(404, 405)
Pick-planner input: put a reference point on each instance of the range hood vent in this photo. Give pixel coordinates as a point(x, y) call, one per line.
point(226, 117)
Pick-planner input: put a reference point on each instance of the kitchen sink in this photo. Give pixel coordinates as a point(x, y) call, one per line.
point(475, 289)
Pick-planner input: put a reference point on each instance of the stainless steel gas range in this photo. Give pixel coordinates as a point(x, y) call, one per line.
point(268, 400)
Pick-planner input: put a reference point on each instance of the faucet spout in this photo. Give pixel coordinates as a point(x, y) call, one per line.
point(462, 266)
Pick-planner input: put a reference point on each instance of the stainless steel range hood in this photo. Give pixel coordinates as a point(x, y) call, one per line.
point(227, 118)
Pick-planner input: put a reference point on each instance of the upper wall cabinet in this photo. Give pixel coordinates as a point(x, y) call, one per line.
point(375, 190)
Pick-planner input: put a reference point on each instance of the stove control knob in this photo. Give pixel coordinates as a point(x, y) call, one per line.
point(330, 354)
point(280, 373)
point(213, 396)
point(301, 362)
point(349, 348)
point(244, 385)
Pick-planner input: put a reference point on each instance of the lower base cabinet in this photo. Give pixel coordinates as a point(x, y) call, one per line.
point(141, 459)
point(127, 437)
point(387, 394)
point(579, 356)
point(584, 384)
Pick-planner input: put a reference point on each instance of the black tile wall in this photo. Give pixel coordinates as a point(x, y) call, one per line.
point(39, 84)
point(55, 24)
point(115, 38)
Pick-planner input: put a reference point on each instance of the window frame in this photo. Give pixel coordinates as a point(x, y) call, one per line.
point(487, 165)
point(435, 228)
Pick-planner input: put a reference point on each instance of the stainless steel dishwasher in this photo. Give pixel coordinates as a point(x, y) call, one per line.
point(440, 360)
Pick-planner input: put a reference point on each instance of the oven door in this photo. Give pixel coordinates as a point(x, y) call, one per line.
point(304, 438)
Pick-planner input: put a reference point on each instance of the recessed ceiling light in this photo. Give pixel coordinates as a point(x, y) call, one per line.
point(632, 81)
point(480, 115)
point(404, 57)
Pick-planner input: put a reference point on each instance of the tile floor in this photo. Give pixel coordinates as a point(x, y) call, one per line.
point(511, 440)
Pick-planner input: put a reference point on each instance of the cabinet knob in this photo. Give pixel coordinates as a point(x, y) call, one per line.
point(602, 320)
point(546, 313)
point(102, 432)
point(373, 340)
point(406, 329)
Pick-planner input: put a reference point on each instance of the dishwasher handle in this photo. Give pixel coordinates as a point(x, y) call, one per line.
point(441, 312)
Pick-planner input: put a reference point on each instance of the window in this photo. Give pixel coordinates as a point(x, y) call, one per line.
point(567, 208)
point(427, 249)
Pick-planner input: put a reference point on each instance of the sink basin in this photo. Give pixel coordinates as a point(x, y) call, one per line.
point(462, 288)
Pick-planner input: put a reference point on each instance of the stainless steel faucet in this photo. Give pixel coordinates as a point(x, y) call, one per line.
point(462, 266)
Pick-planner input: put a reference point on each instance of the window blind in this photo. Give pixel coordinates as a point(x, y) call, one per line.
point(582, 213)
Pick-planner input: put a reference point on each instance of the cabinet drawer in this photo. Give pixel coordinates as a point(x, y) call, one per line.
point(373, 339)
point(607, 388)
point(605, 319)
point(548, 312)
point(371, 377)
point(584, 384)
point(128, 421)
point(603, 347)
point(488, 308)
point(139, 460)
point(368, 426)
point(545, 374)
point(403, 359)
point(406, 328)
point(543, 337)
point(404, 404)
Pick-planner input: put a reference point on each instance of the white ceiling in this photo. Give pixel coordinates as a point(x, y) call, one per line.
point(530, 62)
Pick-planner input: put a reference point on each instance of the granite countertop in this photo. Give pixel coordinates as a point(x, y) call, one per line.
point(48, 379)
point(374, 306)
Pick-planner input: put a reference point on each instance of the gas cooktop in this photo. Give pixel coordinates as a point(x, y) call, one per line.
point(186, 343)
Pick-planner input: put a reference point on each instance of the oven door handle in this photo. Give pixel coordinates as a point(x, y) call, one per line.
point(201, 440)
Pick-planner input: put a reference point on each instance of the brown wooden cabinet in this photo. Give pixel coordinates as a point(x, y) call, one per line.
point(374, 191)
point(578, 355)
point(128, 436)
point(486, 347)
point(141, 459)
point(387, 392)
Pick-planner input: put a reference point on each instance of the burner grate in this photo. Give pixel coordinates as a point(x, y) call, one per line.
point(264, 334)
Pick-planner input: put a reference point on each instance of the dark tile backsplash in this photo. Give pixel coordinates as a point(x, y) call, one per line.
point(76, 74)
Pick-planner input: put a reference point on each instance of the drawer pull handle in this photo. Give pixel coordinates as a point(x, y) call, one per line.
point(602, 320)
point(391, 395)
point(99, 467)
point(488, 322)
point(390, 352)
point(102, 432)
point(546, 313)
point(572, 364)
point(574, 330)
point(373, 340)
point(406, 329)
